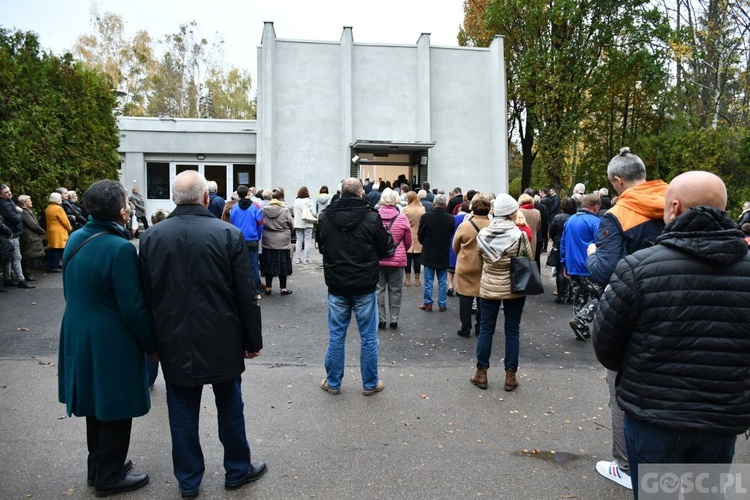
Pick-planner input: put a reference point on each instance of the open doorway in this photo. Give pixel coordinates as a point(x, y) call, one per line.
point(391, 163)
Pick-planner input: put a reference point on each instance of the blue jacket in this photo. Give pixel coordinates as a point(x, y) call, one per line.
point(578, 233)
point(632, 224)
point(248, 217)
point(216, 205)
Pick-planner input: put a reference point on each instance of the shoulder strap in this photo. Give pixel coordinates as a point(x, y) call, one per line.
point(520, 242)
point(474, 224)
point(83, 243)
point(388, 228)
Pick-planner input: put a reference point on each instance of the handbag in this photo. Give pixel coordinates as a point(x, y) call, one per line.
point(524, 275)
point(308, 216)
point(553, 257)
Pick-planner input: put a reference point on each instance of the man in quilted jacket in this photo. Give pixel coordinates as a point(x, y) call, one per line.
point(675, 325)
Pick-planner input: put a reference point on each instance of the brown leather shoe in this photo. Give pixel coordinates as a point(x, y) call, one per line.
point(480, 378)
point(510, 380)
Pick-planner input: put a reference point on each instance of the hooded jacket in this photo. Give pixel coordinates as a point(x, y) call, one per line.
point(248, 217)
point(277, 226)
point(352, 240)
point(496, 244)
point(632, 224)
point(674, 321)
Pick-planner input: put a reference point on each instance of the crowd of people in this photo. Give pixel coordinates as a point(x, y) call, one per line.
point(623, 262)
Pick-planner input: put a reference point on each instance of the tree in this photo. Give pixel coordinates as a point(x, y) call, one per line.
point(181, 76)
point(229, 94)
point(129, 62)
point(56, 121)
point(556, 69)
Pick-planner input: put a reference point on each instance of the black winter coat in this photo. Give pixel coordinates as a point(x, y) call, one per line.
point(197, 282)
point(13, 218)
point(435, 233)
point(352, 240)
point(675, 322)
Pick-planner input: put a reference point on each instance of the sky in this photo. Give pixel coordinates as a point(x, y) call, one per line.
point(240, 23)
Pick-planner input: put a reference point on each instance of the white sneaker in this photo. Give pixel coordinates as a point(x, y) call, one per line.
point(611, 471)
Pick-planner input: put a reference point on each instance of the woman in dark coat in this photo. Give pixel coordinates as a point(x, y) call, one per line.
point(32, 239)
point(105, 330)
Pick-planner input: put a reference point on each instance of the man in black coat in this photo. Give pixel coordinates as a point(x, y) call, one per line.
point(435, 234)
point(13, 219)
point(198, 284)
point(674, 322)
point(352, 239)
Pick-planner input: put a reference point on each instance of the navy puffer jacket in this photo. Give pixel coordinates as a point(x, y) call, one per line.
point(675, 322)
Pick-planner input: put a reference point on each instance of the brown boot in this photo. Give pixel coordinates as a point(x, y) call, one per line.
point(416, 280)
point(407, 280)
point(480, 378)
point(510, 380)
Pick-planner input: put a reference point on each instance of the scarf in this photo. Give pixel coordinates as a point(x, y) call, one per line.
point(498, 237)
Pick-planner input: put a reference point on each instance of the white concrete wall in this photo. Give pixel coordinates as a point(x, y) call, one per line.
point(460, 119)
point(316, 93)
point(385, 93)
point(307, 111)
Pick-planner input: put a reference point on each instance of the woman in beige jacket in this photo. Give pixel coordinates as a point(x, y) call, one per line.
point(469, 263)
point(497, 243)
point(414, 210)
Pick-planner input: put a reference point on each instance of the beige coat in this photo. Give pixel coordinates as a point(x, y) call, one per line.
point(495, 284)
point(58, 226)
point(534, 220)
point(414, 214)
point(468, 261)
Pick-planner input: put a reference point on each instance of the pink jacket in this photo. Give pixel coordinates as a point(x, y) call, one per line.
point(401, 231)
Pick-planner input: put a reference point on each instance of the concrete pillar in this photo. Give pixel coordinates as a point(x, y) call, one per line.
point(423, 88)
point(266, 153)
point(498, 116)
point(347, 127)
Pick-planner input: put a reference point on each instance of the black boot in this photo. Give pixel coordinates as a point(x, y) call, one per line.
point(31, 277)
point(23, 284)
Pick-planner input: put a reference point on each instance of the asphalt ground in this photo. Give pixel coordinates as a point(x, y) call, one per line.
point(429, 435)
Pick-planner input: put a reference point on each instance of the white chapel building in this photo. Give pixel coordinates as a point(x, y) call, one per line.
point(331, 110)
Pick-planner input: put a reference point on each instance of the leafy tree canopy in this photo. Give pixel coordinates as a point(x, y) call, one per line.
point(56, 121)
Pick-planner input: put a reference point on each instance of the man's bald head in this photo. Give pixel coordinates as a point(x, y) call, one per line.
point(351, 187)
point(190, 188)
point(693, 189)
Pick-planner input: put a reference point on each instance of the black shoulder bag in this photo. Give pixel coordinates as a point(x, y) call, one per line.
point(524, 275)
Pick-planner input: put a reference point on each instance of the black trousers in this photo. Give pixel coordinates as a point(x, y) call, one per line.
point(108, 444)
point(464, 313)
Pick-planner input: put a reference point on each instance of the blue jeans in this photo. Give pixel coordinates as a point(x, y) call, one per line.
point(256, 272)
point(513, 309)
point(651, 444)
point(184, 404)
point(339, 315)
point(442, 277)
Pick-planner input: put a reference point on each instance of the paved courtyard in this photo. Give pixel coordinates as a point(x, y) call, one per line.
point(429, 435)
